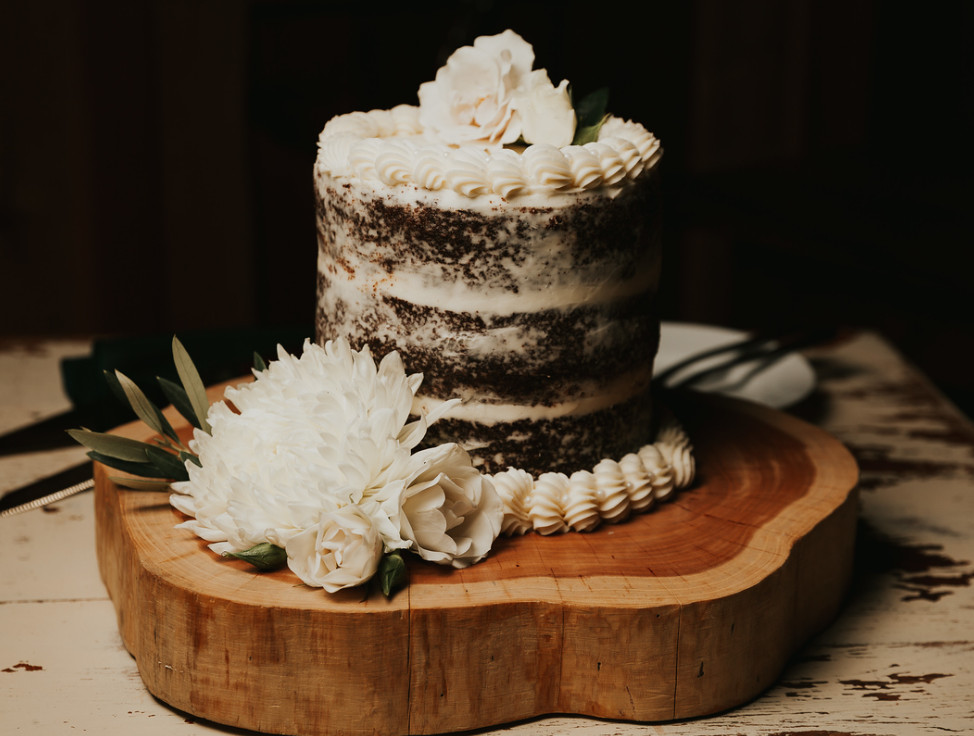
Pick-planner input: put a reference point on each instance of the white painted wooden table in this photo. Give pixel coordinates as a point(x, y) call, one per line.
point(898, 660)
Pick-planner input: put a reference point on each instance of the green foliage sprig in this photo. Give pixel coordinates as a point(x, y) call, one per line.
point(162, 460)
point(590, 114)
point(158, 463)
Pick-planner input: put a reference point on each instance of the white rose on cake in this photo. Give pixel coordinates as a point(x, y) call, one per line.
point(545, 111)
point(488, 93)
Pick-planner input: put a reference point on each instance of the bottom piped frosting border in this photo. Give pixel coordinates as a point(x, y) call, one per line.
point(555, 502)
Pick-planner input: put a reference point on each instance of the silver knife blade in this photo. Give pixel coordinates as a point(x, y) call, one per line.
point(51, 489)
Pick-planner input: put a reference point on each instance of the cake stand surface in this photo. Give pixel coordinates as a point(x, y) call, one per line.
point(686, 610)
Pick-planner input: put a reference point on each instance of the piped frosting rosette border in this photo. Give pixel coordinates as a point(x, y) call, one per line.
point(611, 492)
point(390, 147)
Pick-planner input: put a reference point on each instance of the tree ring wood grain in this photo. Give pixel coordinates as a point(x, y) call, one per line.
point(686, 610)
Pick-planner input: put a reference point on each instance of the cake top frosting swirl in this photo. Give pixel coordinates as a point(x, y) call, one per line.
point(488, 124)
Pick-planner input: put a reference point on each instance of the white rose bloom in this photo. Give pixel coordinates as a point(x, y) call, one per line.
point(343, 550)
point(450, 512)
point(472, 96)
point(545, 111)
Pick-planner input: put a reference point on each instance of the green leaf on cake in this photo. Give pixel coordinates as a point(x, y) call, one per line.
point(192, 383)
point(590, 113)
point(392, 573)
point(144, 408)
point(588, 134)
point(176, 395)
point(264, 556)
point(591, 108)
point(259, 365)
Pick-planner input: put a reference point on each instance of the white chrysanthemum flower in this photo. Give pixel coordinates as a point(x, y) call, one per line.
point(312, 435)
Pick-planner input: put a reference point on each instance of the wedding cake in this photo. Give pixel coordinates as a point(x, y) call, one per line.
point(508, 249)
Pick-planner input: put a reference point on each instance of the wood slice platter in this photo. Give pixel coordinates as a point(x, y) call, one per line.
point(686, 610)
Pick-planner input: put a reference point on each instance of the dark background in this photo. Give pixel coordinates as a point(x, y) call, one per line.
point(155, 156)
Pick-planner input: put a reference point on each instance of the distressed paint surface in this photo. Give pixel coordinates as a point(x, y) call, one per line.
point(898, 660)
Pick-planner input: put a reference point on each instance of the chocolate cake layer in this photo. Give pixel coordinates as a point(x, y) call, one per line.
point(544, 371)
point(497, 247)
point(561, 445)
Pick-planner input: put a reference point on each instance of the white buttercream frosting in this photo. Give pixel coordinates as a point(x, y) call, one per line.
point(613, 493)
point(590, 399)
point(582, 501)
point(547, 503)
point(392, 148)
point(514, 488)
point(555, 503)
point(674, 445)
point(639, 483)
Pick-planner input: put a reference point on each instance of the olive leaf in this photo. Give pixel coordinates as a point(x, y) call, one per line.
point(192, 383)
point(176, 395)
point(195, 459)
point(160, 459)
point(168, 465)
point(144, 408)
point(142, 469)
point(264, 556)
point(140, 484)
point(116, 388)
point(111, 445)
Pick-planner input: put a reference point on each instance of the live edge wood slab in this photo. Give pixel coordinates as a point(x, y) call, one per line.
point(686, 610)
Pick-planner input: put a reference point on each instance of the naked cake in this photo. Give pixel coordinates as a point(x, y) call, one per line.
point(507, 258)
